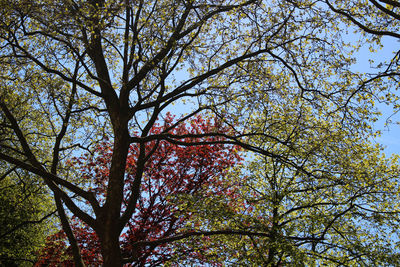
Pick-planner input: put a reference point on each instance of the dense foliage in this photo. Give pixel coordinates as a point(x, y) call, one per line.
point(25, 213)
point(95, 76)
point(342, 209)
point(171, 171)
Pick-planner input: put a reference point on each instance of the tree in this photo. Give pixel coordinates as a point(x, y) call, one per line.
point(374, 19)
point(342, 211)
point(77, 71)
point(25, 206)
point(171, 171)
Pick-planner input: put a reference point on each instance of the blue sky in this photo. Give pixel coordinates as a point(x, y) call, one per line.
point(390, 137)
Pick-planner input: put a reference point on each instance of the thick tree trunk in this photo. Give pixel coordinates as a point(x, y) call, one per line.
point(109, 220)
point(110, 250)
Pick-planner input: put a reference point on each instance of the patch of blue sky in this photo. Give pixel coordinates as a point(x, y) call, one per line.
point(388, 123)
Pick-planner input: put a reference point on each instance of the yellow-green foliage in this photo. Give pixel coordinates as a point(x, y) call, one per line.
point(325, 196)
point(25, 224)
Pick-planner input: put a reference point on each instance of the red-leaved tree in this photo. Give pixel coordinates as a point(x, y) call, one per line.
point(171, 170)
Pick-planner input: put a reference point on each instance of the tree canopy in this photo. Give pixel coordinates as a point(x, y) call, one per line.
point(275, 77)
point(171, 171)
point(341, 210)
point(25, 213)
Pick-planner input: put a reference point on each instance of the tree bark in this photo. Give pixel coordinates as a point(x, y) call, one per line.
point(110, 249)
point(110, 218)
